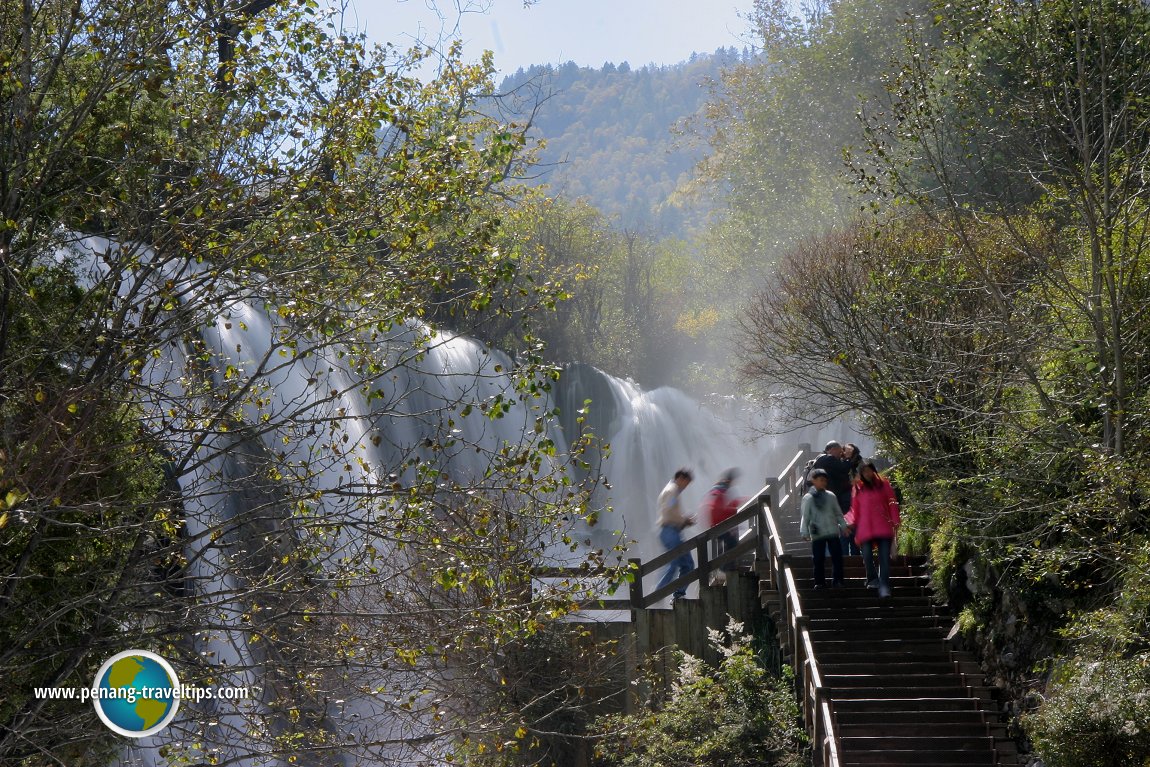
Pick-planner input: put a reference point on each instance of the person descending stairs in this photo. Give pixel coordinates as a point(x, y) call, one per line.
point(898, 692)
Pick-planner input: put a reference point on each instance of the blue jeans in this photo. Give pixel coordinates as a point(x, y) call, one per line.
point(883, 575)
point(670, 537)
point(819, 551)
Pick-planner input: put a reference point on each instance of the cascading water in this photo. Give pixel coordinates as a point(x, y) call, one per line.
point(437, 394)
point(653, 433)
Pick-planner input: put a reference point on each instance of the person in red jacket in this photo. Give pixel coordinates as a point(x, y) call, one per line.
point(874, 519)
point(721, 506)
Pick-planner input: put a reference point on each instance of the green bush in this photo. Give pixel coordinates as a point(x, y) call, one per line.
point(737, 715)
point(1096, 714)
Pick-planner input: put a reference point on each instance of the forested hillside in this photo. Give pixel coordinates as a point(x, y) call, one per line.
point(613, 136)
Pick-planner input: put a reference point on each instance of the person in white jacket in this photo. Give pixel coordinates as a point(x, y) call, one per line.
point(672, 520)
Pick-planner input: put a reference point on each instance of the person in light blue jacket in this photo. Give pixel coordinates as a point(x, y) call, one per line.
point(822, 523)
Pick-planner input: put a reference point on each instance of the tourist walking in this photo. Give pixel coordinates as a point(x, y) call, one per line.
point(822, 524)
point(875, 520)
point(838, 470)
point(672, 520)
point(720, 507)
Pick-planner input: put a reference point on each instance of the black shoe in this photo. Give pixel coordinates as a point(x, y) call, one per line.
point(837, 585)
point(820, 586)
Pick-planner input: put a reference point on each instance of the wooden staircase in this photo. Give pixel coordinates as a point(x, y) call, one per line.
point(897, 692)
point(878, 681)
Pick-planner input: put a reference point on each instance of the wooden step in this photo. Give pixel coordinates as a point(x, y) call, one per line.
point(899, 692)
point(933, 692)
point(972, 727)
point(983, 744)
point(906, 664)
point(941, 758)
point(864, 625)
point(889, 681)
point(924, 703)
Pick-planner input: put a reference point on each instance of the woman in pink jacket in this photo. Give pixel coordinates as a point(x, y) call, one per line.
point(874, 518)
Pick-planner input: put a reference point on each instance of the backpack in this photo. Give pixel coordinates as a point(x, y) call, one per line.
point(805, 485)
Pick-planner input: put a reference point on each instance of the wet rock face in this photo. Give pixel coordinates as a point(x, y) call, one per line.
point(578, 383)
point(1014, 636)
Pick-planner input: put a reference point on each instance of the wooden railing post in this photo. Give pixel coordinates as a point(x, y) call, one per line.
point(772, 491)
point(636, 589)
point(762, 529)
point(702, 551)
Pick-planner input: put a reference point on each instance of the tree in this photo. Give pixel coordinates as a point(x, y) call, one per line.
point(990, 336)
point(779, 124)
point(219, 443)
point(623, 289)
point(1029, 109)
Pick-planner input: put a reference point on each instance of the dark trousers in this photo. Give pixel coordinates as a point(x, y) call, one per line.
point(819, 551)
point(882, 573)
point(728, 541)
point(847, 541)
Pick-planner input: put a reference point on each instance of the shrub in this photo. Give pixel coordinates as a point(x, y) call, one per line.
point(1097, 714)
point(737, 715)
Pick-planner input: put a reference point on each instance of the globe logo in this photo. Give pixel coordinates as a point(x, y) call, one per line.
point(136, 693)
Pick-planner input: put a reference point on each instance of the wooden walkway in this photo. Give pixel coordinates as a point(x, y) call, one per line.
point(879, 683)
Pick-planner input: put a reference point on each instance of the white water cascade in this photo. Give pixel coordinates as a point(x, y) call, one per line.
point(650, 433)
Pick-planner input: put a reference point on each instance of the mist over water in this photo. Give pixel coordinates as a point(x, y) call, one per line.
point(434, 394)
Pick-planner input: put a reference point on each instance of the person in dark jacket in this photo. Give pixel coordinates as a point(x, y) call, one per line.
point(838, 471)
point(853, 456)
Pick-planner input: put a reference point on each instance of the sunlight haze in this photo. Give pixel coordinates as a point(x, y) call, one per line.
point(588, 32)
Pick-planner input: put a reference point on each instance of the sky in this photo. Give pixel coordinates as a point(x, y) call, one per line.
point(588, 32)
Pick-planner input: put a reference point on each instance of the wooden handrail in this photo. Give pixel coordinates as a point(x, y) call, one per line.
point(699, 544)
point(704, 565)
point(764, 540)
point(816, 709)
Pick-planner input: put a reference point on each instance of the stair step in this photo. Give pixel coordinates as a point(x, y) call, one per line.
point(978, 744)
point(897, 682)
point(901, 594)
point(932, 758)
point(917, 722)
point(972, 728)
point(877, 633)
point(881, 661)
point(900, 623)
point(836, 648)
point(895, 693)
point(876, 609)
point(891, 670)
point(923, 703)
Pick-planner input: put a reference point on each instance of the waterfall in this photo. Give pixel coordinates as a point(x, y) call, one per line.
point(434, 388)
